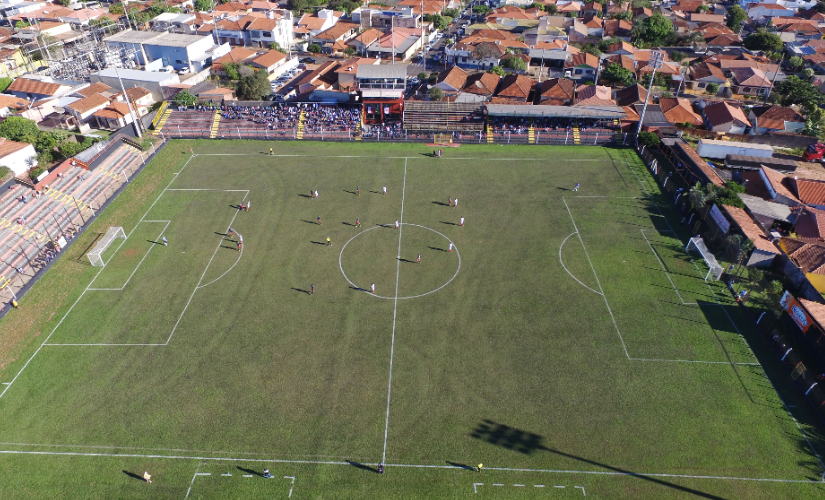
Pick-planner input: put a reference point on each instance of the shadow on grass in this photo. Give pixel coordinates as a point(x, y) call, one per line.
point(310, 222)
point(437, 249)
point(528, 443)
point(250, 471)
point(305, 196)
point(136, 476)
point(301, 290)
point(319, 243)
point(463, 466)
point(362, 466)
point(441, 203)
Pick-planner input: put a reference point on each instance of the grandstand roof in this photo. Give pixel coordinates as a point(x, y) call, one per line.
point(605, 112)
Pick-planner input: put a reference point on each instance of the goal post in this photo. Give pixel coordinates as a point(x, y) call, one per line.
point(715, 269)
point(96, 254)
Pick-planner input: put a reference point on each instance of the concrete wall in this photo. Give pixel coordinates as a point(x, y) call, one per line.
point(18, 161)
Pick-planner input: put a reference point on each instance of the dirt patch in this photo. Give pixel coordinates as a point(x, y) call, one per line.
point(131, 253)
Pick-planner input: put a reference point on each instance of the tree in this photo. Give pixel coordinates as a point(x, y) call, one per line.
point(654, 29)
point(4, 83)
point(703, 8)
point(314, 48)
point(729, 195)
point(349, 52)
point(551, 9)
point(254, 87)
point(297, 6)
point(677, 56)
point(649, 139)
point(21, 24)
point(184, 98)
point(116, 8)
point(101, 21)
point(69, 148)
point(697, 197)
point(794, 90)
point(514, 62)
point(815, 122)
point(739, 246)
point(589, 48)
point(436, 94)
point(796, 62)
point(762, 39)
point(616, 74)
point(481, 9)
point(808, 73)
point(64, 3)
point(440, 22)
point(422, 76)
point(277, 46)
point(345, 5)
point(19, 129)
point(451, 13)
point(203, 5)
point(46, 142)
point(537, 5)
point(605, 43)
point(712, 88)
point(624, 15)
point(640, 3)
point(231, 70)
point(485, 51)
point(497, 70)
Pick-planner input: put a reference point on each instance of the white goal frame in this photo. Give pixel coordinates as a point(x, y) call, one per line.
point(96, 254)
point(715, 269)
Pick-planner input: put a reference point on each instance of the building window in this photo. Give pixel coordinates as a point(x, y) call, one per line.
point(267, 34)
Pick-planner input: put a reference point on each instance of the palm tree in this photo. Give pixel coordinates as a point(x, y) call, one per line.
point(740, 246)
point(697, 197)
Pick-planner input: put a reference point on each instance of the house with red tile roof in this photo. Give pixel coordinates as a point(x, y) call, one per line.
point(515, 87)
point(582, 67)
point(809, 192)
point(630, 95)
point(18, 156)
point(775, 119)
point(482, 84)
point(749, 81)
point(778, 187)
point(764, 251)
point(678, 110)
point(810, 223)
point(594, 95)
point(723, 117)
point(451, 80)
point(556, 92)
point(699, 76)
point(696, 164)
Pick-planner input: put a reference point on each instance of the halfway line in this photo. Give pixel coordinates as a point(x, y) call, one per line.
point(394, 313)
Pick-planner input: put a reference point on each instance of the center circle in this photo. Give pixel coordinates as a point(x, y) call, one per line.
point(372, 256)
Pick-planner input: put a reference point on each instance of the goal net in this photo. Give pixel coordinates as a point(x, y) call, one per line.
point(443, 139)
point(96, 254)
point(715, 269)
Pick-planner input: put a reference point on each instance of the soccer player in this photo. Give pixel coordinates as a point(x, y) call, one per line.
point(243, 206)
point(267, 475)
point(239, 245)
point(576, 188)
point(319, 220)
point(455, 202)
point(479, 467)
point(312, 289)
point(165, 243)
point(419, 258)
point(231, 232)
point(439, 153)
point(316, 194)
point(396, 225)
point(358, 222)
point(147, 477)
point(451, 248)
point(385, 189)
point(450, 201)
point(270, 151)
point(357, 190)
point(248, 203)
point(372, 288)
point(329, 242)
point(461, 221)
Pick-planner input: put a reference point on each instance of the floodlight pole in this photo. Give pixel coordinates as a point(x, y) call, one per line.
point(656, 59)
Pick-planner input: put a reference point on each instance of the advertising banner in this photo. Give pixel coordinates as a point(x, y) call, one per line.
point(799, 316)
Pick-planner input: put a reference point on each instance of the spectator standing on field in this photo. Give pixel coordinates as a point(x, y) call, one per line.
point(461, 221)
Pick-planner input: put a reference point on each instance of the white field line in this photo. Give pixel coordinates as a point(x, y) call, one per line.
point(596, 276)
point(240, 254)
point(394, 313)
point(139, 263)
point(568, 272)
point(222, 190)
point(801, 431)
point(415, 466)
point(662, 264)
point(395, 157)
point(202, 275)
point(192, 483)
point(46, 340)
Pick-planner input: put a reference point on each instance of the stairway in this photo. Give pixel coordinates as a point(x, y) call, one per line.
point(215, 123)
point(162, 121)
point(531, 135)
point(359, 130)
point(301, 119)
point(576, 136)
point(489, 135)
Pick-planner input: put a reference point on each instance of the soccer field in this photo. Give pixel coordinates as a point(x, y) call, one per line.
point(562, 338)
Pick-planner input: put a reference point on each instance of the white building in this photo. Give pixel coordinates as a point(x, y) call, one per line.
point(18, 156)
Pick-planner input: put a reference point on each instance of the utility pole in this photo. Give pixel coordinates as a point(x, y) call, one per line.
point(392, 35)
point(135, 118)
point(656, 59)
point(770, 89)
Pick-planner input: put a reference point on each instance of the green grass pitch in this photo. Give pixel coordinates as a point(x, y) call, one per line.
point(567, 342)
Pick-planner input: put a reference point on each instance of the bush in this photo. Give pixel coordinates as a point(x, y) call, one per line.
point(649, 139)
point(35, 173)
point(436, 94)
point(713, 88)
point(4, 83)
point(314, 48)
point(4, 171)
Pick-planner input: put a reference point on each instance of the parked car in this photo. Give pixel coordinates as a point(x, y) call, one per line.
point(307, 60)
